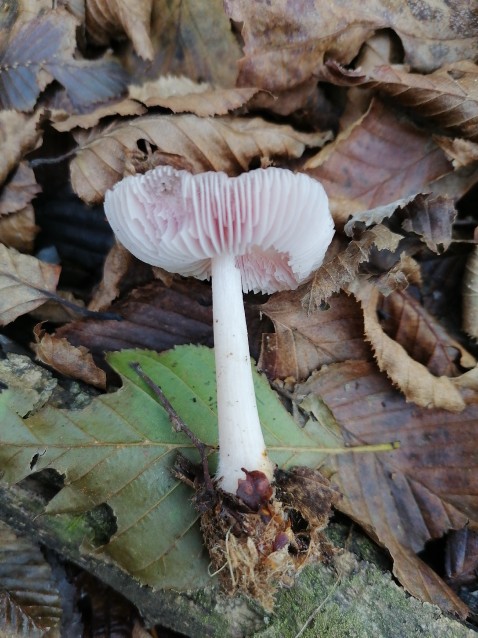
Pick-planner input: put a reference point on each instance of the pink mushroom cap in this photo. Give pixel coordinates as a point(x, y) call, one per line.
point(277, 223)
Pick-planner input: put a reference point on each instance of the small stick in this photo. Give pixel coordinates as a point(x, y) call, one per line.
point(177, 423)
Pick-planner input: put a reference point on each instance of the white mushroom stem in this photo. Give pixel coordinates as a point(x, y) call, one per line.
point(241, 443)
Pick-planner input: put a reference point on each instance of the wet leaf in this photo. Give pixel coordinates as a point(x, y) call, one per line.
point(378, 160)
point(214, 144)
point(408, 496)
point(109, 19)
point(276, 58)
point(304, 342)
point(66, 359)
point(47, 44)
point(447, 98)
point(24, 283)
point(120, 448)
point(414, 379)
point(29, 601)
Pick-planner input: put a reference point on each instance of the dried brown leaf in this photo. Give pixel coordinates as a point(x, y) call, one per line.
point(152, 316)
point(182, 95)
point(433, 33)
point(344, 266)
point(406, 321)
point(461, 557)
point(19, 134)
point(409, 496)
point(219, 144)
point(24, 283)
point(75, 362)
point(470, 295)
point(111, 19)
point(447, 98)
point(378, 160)
point(303, 342)
point(19, 230)
point(416, 382)
point(30, 605)
point(63, 122)
point(428, 216)
point(460, 152)
point(193, 39)
point(116, 265)
point(43, 49)
point(19, 191)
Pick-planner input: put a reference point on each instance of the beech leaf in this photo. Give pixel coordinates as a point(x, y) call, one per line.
point(407, 497)
point(343, 268)
point(193, 39)
point(182, 95)
point(47, 43)
point(18, 135)
point(413, 378)
point(276, 57)
point(304, 342)
point(205, 144)
point(120, 448)
point(447, 98)
point(67, 359)
point(25, 283)
point(108, 19)
point(377, 160)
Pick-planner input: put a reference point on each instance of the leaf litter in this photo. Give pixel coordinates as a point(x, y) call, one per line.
point(362, 352)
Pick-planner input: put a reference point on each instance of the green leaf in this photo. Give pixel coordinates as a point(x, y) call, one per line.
point(120, 448)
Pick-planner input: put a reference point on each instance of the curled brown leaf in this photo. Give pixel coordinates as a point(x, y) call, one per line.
point(62, 356)
point(416, 382)
point(447, 98)
point(220, 144)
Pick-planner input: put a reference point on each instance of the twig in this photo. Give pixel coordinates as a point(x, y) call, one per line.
point(177, 423)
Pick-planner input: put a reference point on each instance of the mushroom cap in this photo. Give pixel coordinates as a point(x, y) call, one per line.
point(277, 223)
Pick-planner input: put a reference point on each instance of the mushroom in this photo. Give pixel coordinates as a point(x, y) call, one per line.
point(263, 231)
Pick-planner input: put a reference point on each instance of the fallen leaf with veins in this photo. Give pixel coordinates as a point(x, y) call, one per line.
point(377, 160)
point(413, 378)
point(304, 342)
point(66, 359)
point(25, 283)
point(222, 144)
point(411, 495)
point(447, 98)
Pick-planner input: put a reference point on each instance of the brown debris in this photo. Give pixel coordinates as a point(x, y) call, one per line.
point(263, 541)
